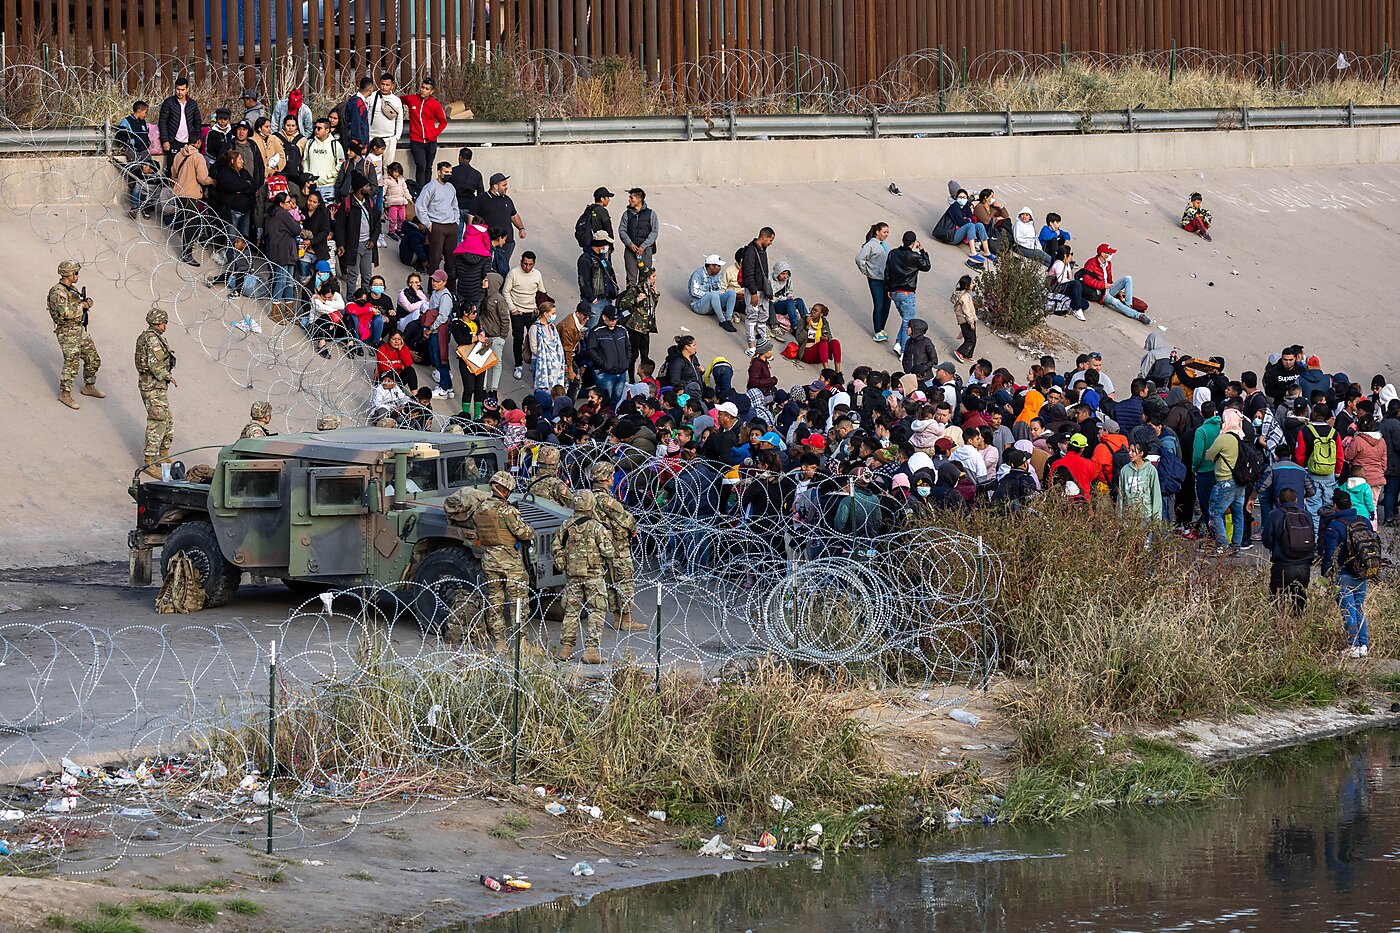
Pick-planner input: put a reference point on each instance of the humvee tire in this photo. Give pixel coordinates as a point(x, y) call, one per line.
point(440, 575)
point(199, 543)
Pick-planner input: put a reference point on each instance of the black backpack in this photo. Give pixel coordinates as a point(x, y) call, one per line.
point(1363, 550)
point(583, 228)
point(1249, 465)
point(1297, 538)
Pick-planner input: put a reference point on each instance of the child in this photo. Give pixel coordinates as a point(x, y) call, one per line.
point(375, 161)
point(1362, 499)
point(647, 368)
point(396, 198)
point(238, 270)
point(1053, 238)
point(1196, 219)
point(306, 256)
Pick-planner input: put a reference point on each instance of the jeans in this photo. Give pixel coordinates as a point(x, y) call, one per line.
point(1227, 496)
point(440, 360)
point(970, 231)
point(969, 340)
point(1392, 490)
point(611, 385)
point(1124, 287)
point(794, 308)
point(492, 382)
point(241, 222)
point(723, 377)
point(720, 304)
point(879, 305)
point(905, 304)
point(1169, 509)
point(1352, 599)
point(423, 155)
point(282, 277)
point(376, 330)
point(463, 216)
point(595, 312)
point(1205, 482)
point(1323, 487)
point(1075, 290)
point(1032, 252)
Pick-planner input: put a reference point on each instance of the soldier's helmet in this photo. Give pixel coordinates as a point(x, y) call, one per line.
point(504, 480)
point(547, 455)
point(601, 471)
point(69, 267)
point(260, 411)
point(157, 316)
point(583, 501)
point(455, 429)
point(328, 423)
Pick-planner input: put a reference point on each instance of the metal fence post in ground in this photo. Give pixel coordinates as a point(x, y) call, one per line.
point(940, 78)
point(986, 647)
point(515, 694)
point(658, 638)
point(1385, 72)
point(1171, 69)
point(796, 81)
point(271, 734)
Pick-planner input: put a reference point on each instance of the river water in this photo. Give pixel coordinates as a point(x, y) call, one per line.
point(1312, 843)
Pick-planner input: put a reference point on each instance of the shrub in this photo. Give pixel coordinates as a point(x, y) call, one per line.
point(1011, 296)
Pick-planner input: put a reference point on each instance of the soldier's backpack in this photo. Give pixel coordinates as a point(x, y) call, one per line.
point(462, 505)
point(1363, 550)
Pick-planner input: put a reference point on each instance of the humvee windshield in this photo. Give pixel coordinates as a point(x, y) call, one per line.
point(470, 471)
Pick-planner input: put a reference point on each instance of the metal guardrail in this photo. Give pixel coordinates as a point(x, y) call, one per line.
point(730, 126)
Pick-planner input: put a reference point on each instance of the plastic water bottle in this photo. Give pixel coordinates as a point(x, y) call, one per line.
point(165, 472)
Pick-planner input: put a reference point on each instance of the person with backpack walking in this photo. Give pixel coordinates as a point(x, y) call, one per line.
point(1351, 549)
point(1319, 451)
point(1288, 534)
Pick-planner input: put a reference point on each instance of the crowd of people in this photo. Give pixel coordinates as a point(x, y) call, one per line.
point(303, 207)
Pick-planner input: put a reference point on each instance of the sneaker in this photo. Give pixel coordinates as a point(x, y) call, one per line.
point(992, 259)
point(189, 260)
point(728, 327)
point(519, 371)
point(881, 337)
point(1354, 652)
point(434, 374)
point(961, 358)
point(1247, 546)
point(1078, 314)
point(451, 393)
point(441, 393)
point(393, 236)
point(898, 350)
point(748, 351)
point(1206, 237)
point(1144, 319)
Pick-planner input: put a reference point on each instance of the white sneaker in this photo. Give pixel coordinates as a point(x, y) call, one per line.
point(441, 393)
point(519, 371)
point(434, 374)
point(451, 393)
point(1078, 315)
point(1355, 652)
point(898, 350)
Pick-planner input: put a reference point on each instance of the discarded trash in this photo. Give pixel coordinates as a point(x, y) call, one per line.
point(555, 808)
point(518, 884)
point(954, 817)
point(1211, 284)
point(313, 862)
point(11, 815)
point(815, 829)
point(539, 792)
point(1234, 272)
point(1161, 327)
point(594, 812)
point(488, 882)
point(658, 815)
point(136, 811)
point(351, 820)
point(973, 748)
point(581, 870)
point(894, 189)
point(816, 864)
point(767, 840)
point(720, 820)
point(260, 798)
point(1193, 275)
point(4, 849)
point(61, 805)
point(964, 717)
point(779, 803)
point(716, 847)
point(627, 863)
point(149, 834)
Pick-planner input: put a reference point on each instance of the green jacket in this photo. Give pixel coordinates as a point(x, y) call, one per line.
point(1205, 437)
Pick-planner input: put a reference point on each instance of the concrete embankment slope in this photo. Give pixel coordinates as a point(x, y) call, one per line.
point(1303, 254)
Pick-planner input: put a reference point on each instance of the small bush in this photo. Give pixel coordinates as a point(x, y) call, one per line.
point(1012, 295)
point(242, 906)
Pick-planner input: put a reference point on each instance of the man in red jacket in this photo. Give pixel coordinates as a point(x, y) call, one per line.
point(1074, 468)
point(426, 121)
point(1098, 274)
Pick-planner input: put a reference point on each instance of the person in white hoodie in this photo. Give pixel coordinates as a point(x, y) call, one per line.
point(1025, 239)
point(387, 400)
point(386, 117)
point(871, 263)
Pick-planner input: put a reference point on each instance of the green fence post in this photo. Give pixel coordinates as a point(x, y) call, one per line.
point(1064, 57)
point(271, 734)
point(515, 695)
point(964, 68)
point(658, 638)
point(1171, 70)
point(1385, 73)
point(940, 77)
point(796, 80)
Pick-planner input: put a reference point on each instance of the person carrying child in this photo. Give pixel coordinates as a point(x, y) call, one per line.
point(1196, 218)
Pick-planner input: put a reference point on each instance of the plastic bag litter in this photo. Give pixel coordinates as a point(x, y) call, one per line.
point(582, 870)
point(779, 803)
point(715, 848)
point(554, 808)
point(658, 815)
point(964, 717)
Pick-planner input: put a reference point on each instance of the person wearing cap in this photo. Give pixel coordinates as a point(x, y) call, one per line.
point(719, 446)
point(386, 116)
point(155, 365)
point(610, 352)
point(637, 231)
point(595, 217)
point(253, 110)
point(357, 233)
point(708, 294)
point(435, 321)
point(426, 121)
point(178, 122)
point(437, 206)
point(500, 531)
point(1074, 472)
point(322, 157)
point(219, 137)
point(597, 281)
point(1117, 293)
point(496, 210)
point(1025, 239)
point(69, 307)
point(1017, 485)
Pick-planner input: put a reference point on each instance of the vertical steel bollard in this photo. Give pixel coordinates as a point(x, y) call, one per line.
point(658, 637)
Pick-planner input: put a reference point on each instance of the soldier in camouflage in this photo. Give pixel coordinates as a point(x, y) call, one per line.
point(622, 590)
point(545, 481)
point(69, 309)
point(261, 415)
point(584, 553)
point(155, 365)
point(328, 423)
point(500, 530)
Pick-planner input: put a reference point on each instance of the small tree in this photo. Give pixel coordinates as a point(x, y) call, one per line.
point(1012, 295)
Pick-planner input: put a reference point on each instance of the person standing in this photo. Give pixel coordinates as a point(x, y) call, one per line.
point(546, 350)
point(609, 352)
point(637, 230)
point(758, 287)
point(68, 307)
point(497, 211)
point(283, 236)
point(178, 122)
point(294, 107)
point(426, 121)
point(1226, 495)
point(871, 263)
point(622, 525)
point(595, 217)
point(469, 184)
point(1352, 550)
point(1139, 489)
point(585, 551)
point(597, 282)
point(190, 176)
point(520, 288)
point(155, 367)
point(1288, 534)
point(495, 322)
point(902, 269)
point(500, 531)
point(437, 207)
point(386, 117)
point(357, 114)
point(965, 313)
point(322, 159)
point(357, 234)
point(639, 302)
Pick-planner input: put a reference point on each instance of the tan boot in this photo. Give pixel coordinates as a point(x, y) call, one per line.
point(153, 471)
point(566, 651)
point(66, 397)
point(164, 455)
point(94, 392)
point(591, 655)
point(629, 624)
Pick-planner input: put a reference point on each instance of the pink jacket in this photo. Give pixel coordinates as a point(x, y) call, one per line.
point(475, 240)
point(1369, 453)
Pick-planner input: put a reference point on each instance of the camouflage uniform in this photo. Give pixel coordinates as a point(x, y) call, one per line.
point(545, 482)
point(584, 552)
point(499, 529)
point(154, 363)
point(261, 412)
point(66, 309)
point(622, 590)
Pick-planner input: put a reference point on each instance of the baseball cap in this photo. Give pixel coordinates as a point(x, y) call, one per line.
point(944, 444)
point(713, 260)
point(1078, 441)
point(602, 236)
point(814, 441)
point(610, 313)
point(428, 82)
point(948, 368)
point(498, 178)
point(440, 276)
point(323, 266)
point(1314, 362)
point(725, 408)
point(249, 94)
point(1105, 248)
point(602, 193)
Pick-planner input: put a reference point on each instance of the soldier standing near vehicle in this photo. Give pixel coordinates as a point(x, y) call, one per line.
point(623, 527)
point(500, 530)
point(261, 413)
point(584, 553)
point(545, 482)
point(155, 365)
point(68, 306)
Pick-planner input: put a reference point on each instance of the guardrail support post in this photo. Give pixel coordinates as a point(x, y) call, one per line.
point(874, 124)
point(1244, 116)
point(1009, 129)
point(733, 129)
point(535, 130)
point(107, 138)
point(1351, 114)
point(689, 127)
point(1132, 126)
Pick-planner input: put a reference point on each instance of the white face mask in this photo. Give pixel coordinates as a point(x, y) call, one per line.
point(924, 490)
point(962, 202)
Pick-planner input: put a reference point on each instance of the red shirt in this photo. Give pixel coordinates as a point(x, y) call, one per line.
point(362, 314)
point(426, 118)
point(390, 359)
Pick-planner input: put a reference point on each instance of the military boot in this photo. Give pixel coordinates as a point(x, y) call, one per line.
point(566, 650)
point(164, 455)
point(591, 655)
point(66, 397)
point(628, 624)
point(153, 471)
point(94, 391)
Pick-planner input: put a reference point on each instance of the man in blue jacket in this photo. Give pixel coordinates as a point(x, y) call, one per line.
point(1352, 590)
point(1290, 565)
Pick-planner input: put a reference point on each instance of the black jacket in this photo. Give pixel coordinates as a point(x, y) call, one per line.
point(169, 121)
point(609, 350)
point(319, 224)
point(470, 274)
point(468, 183)
point(347, 228)
point(233, 190)
point(920, 355)
point(753, 270)
point(902, 269)
point(283, 231)
point(679, 370)
point(292, 148)
point(1272, 534)
point(217, 141)
point(596, 278)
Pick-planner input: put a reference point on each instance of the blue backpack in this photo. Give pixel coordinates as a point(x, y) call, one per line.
point(1171, 473)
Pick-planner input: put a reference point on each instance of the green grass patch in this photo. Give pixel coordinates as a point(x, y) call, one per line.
point(212, 886)
point(360, 875)
point(176, 910)
point(1390, 683)
point(510, 826)
point(243, 906)
point(107, 923)
point(56, 921)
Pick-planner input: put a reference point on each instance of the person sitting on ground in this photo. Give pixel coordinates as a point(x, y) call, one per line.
point(958, 225)
point(992, 214)
point(1024, 239)
point(1061, 280)
point(1196, 218)
point(819, 343)
point(761, 378)
point(1098, 275)
point(394, 357)
point(786, 304)
point(1054, 239)
point(708, 294)
point(365, 318)
point(387, 400)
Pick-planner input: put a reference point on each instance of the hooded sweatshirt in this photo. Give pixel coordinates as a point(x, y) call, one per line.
point(782, 290)
point(920, 355)
point(1023, 232)
point(1156, 349)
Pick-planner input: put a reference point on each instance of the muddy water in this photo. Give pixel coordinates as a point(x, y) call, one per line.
point(1313, 843)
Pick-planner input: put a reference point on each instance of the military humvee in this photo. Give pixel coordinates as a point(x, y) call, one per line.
point(335, 509)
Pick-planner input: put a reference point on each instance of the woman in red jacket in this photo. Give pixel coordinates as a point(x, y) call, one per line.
point(394, 357)
point(365, 318)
